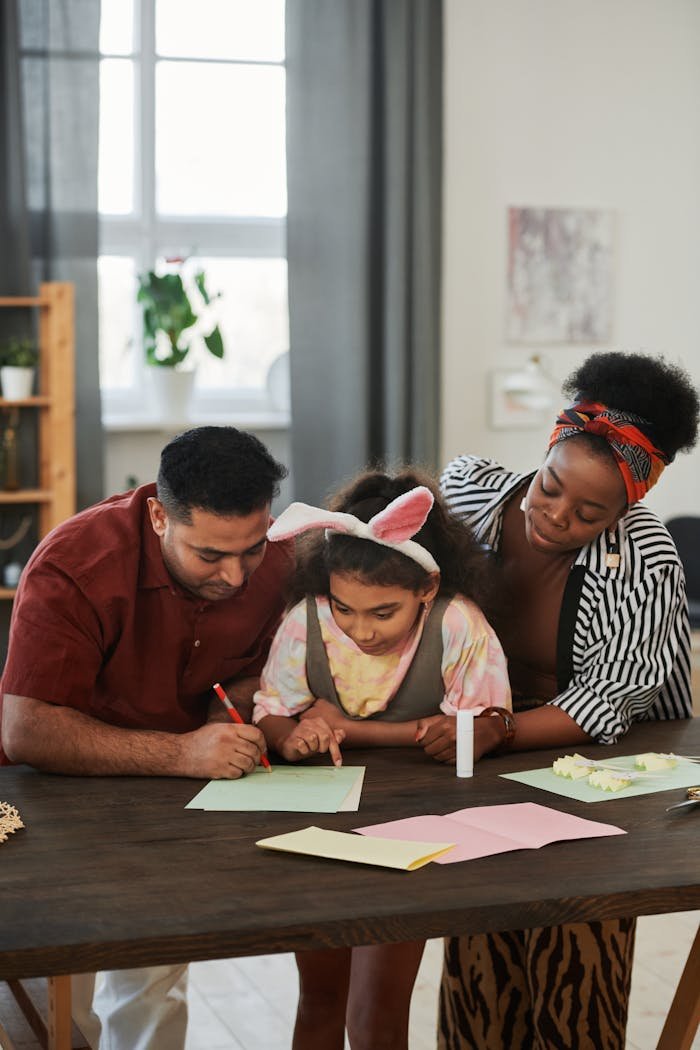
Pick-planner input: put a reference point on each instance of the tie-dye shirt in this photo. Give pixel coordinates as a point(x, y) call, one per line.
point(474, 669)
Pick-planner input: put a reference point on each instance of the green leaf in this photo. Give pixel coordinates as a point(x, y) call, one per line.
point(166, 308)
point(214, 343)
point(199, 280)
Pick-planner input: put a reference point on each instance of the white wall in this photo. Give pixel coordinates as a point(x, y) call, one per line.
point(578, 103)
point(136, 453)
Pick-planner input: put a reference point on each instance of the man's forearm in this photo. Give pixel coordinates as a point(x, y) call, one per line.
point(58, 739)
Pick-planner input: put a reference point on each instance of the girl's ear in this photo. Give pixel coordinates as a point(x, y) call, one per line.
point(429, 589)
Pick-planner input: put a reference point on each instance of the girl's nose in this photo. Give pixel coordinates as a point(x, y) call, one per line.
point(363, 633)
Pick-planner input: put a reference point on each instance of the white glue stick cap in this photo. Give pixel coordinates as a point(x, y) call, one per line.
point(465, 743)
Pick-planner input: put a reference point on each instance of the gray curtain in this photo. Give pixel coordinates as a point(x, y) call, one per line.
point(364, 169)
point(49, 109)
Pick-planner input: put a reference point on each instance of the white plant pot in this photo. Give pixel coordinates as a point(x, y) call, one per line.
point(278, 383)
point(170, 393)
point(17, 383)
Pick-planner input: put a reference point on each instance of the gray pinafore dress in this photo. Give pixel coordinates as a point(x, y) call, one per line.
point(420, 693)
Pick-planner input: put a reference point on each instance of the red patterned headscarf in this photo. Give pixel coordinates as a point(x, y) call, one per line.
point(640, 462)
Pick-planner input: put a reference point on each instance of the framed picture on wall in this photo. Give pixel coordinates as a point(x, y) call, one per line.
point(560, 275)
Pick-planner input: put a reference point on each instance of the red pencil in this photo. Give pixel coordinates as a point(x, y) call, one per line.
point(234, 715)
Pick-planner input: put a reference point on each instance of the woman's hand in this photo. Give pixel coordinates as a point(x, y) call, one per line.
point(312, 736)
point(324, 709)
point(437, 735)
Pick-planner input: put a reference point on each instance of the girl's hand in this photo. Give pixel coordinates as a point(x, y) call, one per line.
point(437, 735)
point(328, 712)
point(313, 736)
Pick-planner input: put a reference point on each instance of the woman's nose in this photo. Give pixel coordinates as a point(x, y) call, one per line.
point(557, 515)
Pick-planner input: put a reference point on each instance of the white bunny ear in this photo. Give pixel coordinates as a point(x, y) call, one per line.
point(404, 516)
point(300, 517)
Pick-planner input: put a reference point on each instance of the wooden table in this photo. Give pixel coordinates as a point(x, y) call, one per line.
point(114, 872)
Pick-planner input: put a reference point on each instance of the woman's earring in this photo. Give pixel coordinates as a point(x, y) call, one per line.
point(612, 558)
point(522, 504)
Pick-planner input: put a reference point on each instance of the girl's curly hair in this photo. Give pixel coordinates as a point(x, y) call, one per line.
point(651, 387)
point(463, 564)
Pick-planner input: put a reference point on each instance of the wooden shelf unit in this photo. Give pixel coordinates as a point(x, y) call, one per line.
point(54, 495)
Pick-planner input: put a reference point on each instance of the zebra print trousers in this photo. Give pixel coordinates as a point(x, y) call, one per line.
point(549, 988)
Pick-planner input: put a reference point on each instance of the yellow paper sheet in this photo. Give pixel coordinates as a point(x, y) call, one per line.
point(339, 845)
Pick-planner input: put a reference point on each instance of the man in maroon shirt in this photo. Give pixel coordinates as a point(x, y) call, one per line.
point(124, 618)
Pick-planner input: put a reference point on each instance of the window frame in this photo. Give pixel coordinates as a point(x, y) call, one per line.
point(145, 236)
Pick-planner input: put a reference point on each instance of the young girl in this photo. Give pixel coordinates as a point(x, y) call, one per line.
point(386, 643)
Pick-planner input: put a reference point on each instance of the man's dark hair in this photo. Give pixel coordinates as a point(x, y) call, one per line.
point(218, 469)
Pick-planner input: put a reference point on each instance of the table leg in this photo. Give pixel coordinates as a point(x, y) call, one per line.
point(60, 1023)
point(684, 1016)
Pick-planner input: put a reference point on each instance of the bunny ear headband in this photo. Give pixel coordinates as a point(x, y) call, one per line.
point(392, 527)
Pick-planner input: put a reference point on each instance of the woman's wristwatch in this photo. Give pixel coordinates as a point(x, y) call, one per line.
point(508, 725)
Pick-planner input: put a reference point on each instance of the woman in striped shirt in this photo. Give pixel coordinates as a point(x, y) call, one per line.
point(595, 627)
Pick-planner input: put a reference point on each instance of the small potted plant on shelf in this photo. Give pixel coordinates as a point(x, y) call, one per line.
point(173, 329)
point(18, 361)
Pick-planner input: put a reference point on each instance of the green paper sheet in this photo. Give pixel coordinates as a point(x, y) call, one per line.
point(288, 789)
point(684, 775)
point(339, 845)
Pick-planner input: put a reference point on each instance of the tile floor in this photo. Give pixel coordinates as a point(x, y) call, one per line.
point(249, 1004)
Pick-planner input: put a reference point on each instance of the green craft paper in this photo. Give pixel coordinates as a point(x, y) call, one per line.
point(288, 789)
point(686, 774)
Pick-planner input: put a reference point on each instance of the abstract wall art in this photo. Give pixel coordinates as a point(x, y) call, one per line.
point(560, 275)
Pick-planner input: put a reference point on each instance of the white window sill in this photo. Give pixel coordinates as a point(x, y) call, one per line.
point(118, 422)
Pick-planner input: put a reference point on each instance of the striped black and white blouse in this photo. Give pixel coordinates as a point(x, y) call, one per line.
point(623, 649)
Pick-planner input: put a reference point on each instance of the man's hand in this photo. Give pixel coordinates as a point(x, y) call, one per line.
point(437, 735)
point(222, 751)
point(312, 736)
point(58, 739)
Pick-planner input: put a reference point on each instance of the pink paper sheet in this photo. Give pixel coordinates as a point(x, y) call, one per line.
point(483, 831)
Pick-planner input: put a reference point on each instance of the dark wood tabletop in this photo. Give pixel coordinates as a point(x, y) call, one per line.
point(114, 872)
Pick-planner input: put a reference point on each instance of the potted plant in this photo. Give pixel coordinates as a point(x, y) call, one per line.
point(18, 361)
point(176, 321)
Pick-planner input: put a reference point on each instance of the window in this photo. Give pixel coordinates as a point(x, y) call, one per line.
point(192, 164)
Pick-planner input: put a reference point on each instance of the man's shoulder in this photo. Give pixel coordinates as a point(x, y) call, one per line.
point(97, 535)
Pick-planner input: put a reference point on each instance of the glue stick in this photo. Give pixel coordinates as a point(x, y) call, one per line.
point(465, 743)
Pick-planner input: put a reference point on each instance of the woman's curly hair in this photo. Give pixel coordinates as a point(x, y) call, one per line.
point(463, 564)
point(648, 386)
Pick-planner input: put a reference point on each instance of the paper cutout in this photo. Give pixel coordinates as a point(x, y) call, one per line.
point(340, 845)
point(655, 760)
point(483, 831)
point(10, 821)
point(290, 789)
point(609, 780)
point(684, 775)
